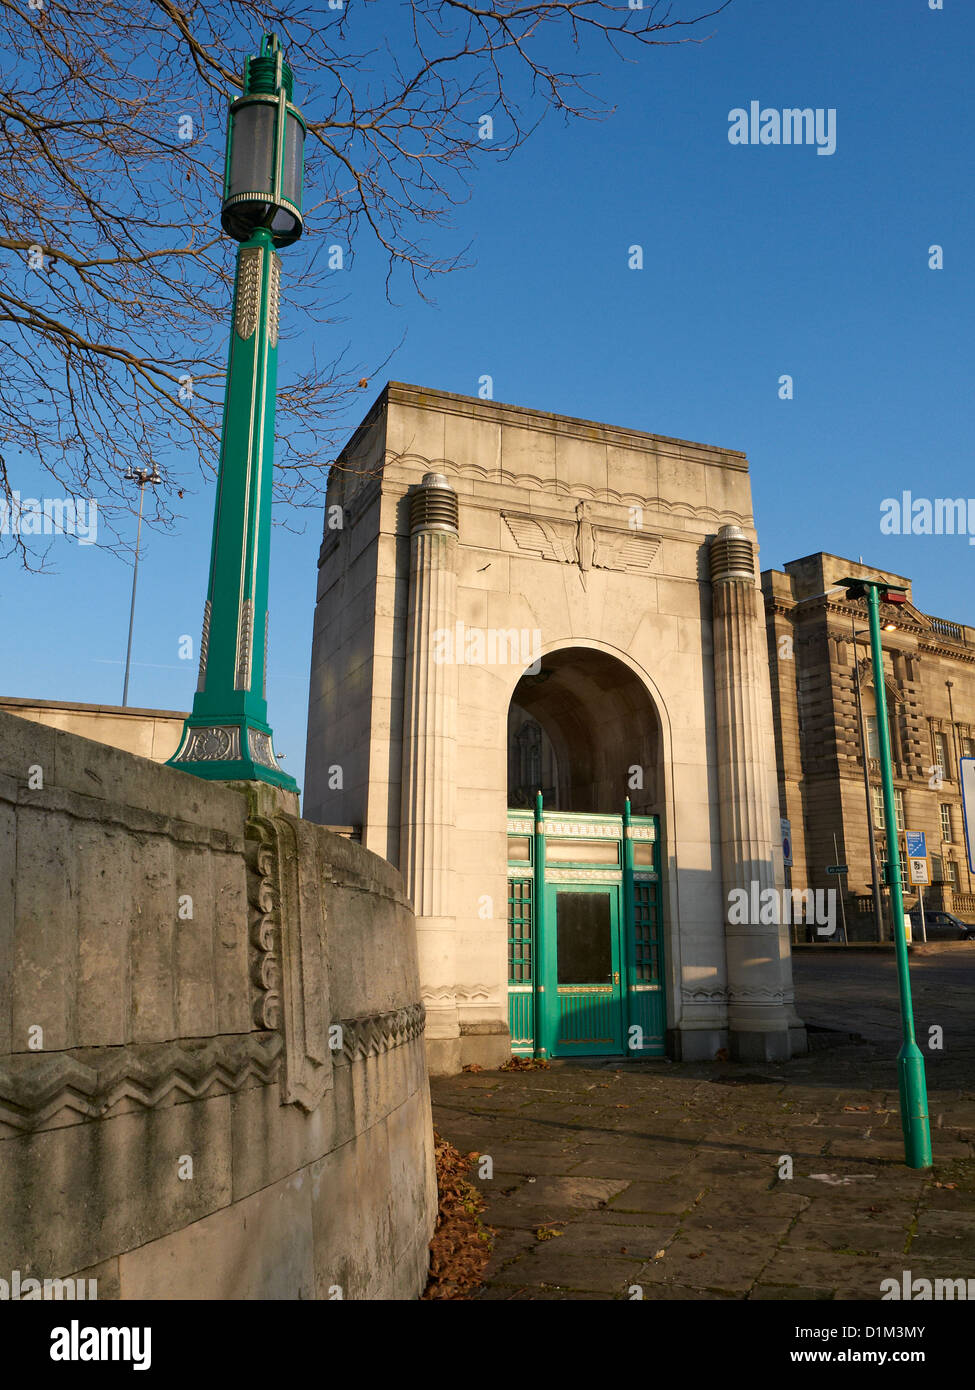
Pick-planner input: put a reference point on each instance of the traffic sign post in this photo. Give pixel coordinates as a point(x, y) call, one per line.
point(917, 868)
point(841, 869)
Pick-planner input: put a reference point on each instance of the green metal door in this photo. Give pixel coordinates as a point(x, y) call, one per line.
point(583, 998)
point(585, 935)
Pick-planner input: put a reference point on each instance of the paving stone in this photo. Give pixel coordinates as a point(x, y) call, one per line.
point(629, 1155)
point(657, 1197)
point(727, 1260)
point(611, 1274)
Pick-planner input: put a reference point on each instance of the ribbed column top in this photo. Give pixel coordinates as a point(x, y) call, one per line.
point(433, 506)
point(732, 555)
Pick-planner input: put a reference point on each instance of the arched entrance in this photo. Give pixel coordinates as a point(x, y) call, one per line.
point(585, 930)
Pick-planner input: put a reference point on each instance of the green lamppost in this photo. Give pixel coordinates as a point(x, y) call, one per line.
point(910, 1060)
point(227, 737)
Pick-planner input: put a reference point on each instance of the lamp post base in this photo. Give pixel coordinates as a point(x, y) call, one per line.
point(915, 1123)
point(231, 751)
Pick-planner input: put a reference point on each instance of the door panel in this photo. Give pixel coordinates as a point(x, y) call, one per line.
point(587, 971)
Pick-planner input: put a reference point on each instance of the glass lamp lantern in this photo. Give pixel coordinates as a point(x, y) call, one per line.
point(265, 152)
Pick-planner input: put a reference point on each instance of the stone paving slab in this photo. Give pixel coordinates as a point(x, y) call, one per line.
point(680, 1196)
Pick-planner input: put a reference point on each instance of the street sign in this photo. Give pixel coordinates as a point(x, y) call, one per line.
point(918, 871)
point(837, 868)
point(916, 847)
point(967, 766)
point(787, 843)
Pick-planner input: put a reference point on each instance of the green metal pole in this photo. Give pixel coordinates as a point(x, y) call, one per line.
point(627, 933)
point(227, 737)
point(538, 962)
point(910, 1060)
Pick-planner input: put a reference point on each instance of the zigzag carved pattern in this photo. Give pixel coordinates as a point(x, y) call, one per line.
point(43, 1091)
point(376, 1033)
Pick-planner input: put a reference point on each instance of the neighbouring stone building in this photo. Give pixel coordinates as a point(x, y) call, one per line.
point(510, 603)
point(817, 642)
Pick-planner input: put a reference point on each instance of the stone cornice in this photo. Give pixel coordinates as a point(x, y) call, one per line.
point(545, 422)
point(535, 482)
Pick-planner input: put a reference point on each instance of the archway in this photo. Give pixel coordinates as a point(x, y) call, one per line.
point(585, 934)
point(587, 729)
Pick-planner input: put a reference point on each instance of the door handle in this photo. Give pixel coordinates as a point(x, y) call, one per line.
point(616, 977)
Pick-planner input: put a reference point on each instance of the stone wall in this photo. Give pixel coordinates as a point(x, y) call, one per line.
point(212, 1078)
point(151, 733)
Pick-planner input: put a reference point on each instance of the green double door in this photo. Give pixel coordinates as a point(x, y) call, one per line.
point(583, 998)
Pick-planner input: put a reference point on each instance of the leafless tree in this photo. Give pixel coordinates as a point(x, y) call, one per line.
point(116, 284)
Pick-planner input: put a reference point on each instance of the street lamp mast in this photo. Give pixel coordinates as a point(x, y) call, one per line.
point(915, 1123)
point(141, 476)
point(227, 737)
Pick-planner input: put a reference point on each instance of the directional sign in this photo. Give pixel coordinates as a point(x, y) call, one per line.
point(916, 847)
point(967, 766)
point(837, 868)
point(918, 870)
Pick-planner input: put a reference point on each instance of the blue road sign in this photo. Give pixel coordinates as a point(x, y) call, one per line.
point(915, 844)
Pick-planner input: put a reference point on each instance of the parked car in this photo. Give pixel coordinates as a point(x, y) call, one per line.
point(941, 926)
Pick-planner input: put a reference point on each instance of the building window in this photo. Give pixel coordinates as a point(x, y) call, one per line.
point(879, 820)
point(941, 753)
point(951, 869)
point(946, 821)
point(873, 738)
point(519, 930)
point(937, 869)
point(968, 748)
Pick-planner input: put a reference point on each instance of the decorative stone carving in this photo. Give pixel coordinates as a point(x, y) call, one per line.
point(376, 1033)
point(583, 544)
point(289, 971)
point(44, 1090)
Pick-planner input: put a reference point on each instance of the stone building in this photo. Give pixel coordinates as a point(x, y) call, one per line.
point(817, 642)
point(524, 619)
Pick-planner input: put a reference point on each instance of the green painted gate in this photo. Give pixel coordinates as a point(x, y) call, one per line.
point(585, 959)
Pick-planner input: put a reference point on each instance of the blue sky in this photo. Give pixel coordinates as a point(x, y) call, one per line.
point(759, 261)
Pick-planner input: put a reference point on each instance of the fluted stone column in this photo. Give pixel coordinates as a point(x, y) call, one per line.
point(429, 720)
point(758, 1015)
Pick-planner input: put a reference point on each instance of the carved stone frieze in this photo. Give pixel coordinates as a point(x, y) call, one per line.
point(377, 1033)
point(46, 1090)
point(582, 543)
point(288, 962)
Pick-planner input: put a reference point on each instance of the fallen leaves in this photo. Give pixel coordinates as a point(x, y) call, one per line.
point(525, 1064)
point(547, 1233)
point(461, 1244)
